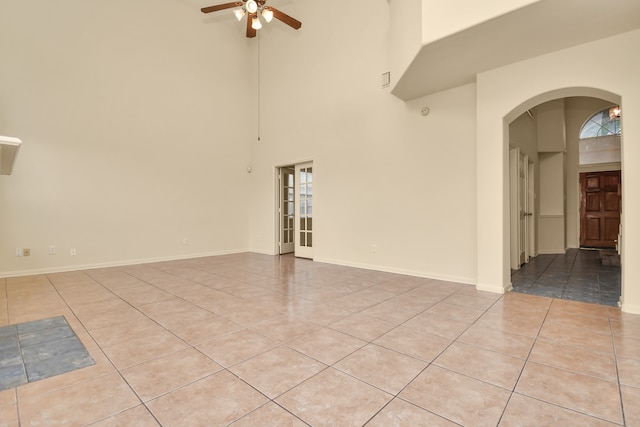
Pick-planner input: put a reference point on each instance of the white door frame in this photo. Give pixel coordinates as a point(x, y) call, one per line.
point(299, 252)
point(523, 200)
point(531, 208)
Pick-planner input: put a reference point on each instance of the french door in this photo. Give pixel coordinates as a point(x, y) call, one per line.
point(295, 210)
point(287, 211)
point(304, 210)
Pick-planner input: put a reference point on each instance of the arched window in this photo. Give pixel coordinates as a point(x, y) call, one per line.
point(600, 138)
point(603, 123)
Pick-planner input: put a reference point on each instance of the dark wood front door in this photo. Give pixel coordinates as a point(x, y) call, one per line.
point(600, 205)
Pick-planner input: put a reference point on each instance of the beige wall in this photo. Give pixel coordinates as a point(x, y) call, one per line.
point(143, 150)
point(135, 132)
point(384, 174)
point(523, 134)
point(502, 97)
point(405, 35)
point(550, 120)
point(444, 18)
point(551, 215)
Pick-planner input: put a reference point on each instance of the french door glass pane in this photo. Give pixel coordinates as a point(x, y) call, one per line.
point(304, 197)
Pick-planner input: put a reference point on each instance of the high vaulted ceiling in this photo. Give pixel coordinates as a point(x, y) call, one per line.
point(537, 29)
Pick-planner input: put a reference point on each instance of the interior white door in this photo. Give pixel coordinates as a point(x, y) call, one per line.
point(531, 211)
point(514, 211)
point(304, 210)
point(286, 209)
point(523, 201)
point(521, 205)
point(524, 204)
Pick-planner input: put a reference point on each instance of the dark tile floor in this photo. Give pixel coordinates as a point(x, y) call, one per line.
point(40, 349)
point(577, 275)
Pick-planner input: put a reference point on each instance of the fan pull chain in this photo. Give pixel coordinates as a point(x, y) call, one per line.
point(259, 78)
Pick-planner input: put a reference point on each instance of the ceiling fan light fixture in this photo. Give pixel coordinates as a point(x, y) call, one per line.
point(256, 12)
point(239, 13)
point(267, 14)
point(255, 23)
point(251, 6)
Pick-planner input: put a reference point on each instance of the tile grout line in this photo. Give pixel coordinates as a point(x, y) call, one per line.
point(615, 359)
point(367, 342)
point(144, 403)
point(192, 346)
point(286, 344)
point(526, 361)
point(371, 342)
point(563, 369)
point(101, 349)
point(429, 364)
point(327, 367)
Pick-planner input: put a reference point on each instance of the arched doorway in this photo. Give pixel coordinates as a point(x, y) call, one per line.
point(548, 137)
point(555, 153)
point(505, 93)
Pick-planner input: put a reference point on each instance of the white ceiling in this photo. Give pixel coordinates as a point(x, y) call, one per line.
point(534, 30)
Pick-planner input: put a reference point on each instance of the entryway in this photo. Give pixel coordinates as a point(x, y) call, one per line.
point(295, 210)
point(565, 186)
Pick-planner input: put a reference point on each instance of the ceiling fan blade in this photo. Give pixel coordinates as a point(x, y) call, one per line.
point(251, 32)
point(221, 7)
point(292, 22)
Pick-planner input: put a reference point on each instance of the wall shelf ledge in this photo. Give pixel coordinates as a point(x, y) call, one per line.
point(9, 147)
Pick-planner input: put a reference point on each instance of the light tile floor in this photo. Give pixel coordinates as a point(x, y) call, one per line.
point(255, 340)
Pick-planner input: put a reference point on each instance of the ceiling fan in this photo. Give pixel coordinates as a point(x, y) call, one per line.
point(254, 9)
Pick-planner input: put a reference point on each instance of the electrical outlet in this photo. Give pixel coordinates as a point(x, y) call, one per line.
point(52, 250)
point(185, 241)
point(18, 251)
point(73, 252)
point(26, 252)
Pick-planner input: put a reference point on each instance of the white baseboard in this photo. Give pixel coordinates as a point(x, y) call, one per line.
point(121, 263)
point(631, 309)
point(496, 289)
point(386, 269)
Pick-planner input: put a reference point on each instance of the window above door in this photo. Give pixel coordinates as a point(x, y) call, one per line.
point(600, 138)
